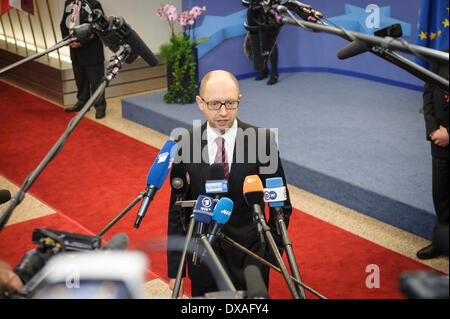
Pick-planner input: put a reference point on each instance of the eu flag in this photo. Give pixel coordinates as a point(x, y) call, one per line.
point(432, 26)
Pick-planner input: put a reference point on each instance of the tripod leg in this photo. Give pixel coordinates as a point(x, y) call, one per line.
point(181, 265)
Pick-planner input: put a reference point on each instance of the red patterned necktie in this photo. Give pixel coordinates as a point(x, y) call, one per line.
point(221, 156)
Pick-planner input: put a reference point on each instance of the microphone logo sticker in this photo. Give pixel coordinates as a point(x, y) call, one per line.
point(206, 202)
point(226, 212)
point(162, 157)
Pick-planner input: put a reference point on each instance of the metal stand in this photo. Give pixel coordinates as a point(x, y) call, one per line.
point(259, 217)
point(121, 214)
point(114, 67)
point(37, 55)
point(231, 242)
point(289, 251)
point(182, 264)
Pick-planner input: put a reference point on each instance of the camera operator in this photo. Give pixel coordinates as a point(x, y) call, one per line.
point(8, 279)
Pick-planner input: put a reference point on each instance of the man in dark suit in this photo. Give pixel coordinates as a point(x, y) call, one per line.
point(244, 149)
point(435, 110)
point(87, 56)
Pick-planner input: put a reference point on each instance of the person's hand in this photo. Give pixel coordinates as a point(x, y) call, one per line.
point(172, 286)
point(8, 278)
point(75, 45)
point(440, 137)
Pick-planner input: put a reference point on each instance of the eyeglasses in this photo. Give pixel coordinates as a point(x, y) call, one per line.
point(216, 105)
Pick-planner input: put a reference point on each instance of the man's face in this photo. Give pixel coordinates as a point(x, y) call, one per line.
point(219, 89)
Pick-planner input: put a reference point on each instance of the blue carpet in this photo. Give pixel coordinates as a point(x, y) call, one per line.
point(353, 141)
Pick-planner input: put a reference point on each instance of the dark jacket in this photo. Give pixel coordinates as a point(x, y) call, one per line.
point(91, 50)
point(435, 109)
point(240, 227)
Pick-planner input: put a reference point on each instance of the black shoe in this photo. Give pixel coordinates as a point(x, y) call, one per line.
point(262, 75)
point(76, 108)
point(273, 80)
point(100, 114)
point(428, 252)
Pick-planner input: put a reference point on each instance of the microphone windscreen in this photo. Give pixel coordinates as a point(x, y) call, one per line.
point(274, 182)
point(161, 166)
point(253, 190)
point(354, 48)
point(223, 210)
point(203, 209)
point(118, 242)
point(216, 171)
point(256, 288)
point(5, 196)
point(178, 179)
point(139, 47)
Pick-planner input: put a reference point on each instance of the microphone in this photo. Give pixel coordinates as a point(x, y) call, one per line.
point(156, 177)
point(256, 288)
point(118, 242)
point(304, 11)
point(275, 194)
point(262, 36)
point(203, 212)
point(221, 215)
point(5, 196)
point(179, 181)
point(354, 48)
point(115, 32)
point(216, 183)
point(254, 194)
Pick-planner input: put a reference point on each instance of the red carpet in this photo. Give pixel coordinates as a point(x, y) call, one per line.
point(100, 171)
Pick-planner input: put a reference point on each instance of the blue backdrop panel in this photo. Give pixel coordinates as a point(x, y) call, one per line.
point(301, 50)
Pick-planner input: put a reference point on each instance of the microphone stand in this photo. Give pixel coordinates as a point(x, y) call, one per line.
point(122, 213)
point(58, 45)
point(113, 69)
point(259, 218)
point(380, 46)
point(233, 243)
point(289, 251)
point(181, 265)
point(221, 271)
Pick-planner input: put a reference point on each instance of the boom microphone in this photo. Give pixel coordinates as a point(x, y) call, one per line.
point(156, 177)
point(354, 48)
point(275, 194)
point(114, 32)
point(5, 196)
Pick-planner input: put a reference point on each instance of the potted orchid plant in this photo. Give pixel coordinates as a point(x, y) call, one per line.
point(180, 55)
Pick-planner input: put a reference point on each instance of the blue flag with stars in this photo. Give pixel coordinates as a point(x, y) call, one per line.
point(432, 26)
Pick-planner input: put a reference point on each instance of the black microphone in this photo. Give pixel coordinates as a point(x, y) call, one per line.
point(254, 197)
point(114, 32)
point(256, 288)
point(354, 48)
point(263, 31)
point(203, 212)
point(5, 196)
point(216, 184)
point(179, 181)
point(117, 242)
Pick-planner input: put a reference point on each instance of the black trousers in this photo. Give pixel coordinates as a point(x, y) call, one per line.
point(87, 79)
point(440, 188)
